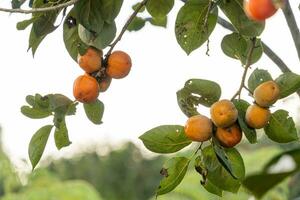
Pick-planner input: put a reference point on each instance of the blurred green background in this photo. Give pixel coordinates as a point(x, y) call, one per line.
point(128, 174)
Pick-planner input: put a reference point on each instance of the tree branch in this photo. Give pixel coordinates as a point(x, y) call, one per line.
point(248, 64)
point(36, 10)
point(292, 24)
point(132, 16)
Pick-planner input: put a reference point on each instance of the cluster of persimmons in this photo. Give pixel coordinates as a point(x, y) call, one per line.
point(99, 73)
point(223, 124)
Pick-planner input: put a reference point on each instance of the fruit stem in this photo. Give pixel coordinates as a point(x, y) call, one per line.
point(128, 22)
point(247, 66)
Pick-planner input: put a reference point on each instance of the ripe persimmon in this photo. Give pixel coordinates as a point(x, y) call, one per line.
point(118, 65)
point(260, 10)
point(230, 136)
point(257, 117)
point(266, 94)
point(198, 128)
point(91, 61)
point(86, 89)
point(223, 113)
point(105, 83)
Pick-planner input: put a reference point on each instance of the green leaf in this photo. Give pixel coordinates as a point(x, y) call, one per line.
point(281, 127)
point(223, 158)
point(259, 184)
point(159, 8)
point(173, 171)
point(44, 23)
point(213, 188)
point(17, 3)
point(100, 40)
point(195, 92)
point(94, 111)
point(89, 14)
point(292, 153)
point(165, 139)
point(30, 100)
point(61, 136)
point(110, 9)
point(59, 103)
point(34, 41)
point(257, 77)
point(159, 21)
point(234, 10)
point(136, 24)
point(25, 23)
point(37, 144)
point(72, 41)
point(218, 175)
point(190, 28)
point(236, 46)
point(135, 7)
point(288, 83)
point(249, 132)
point(34, 113)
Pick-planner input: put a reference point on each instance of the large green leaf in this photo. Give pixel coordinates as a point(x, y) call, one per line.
point(288, 83)
point(159, 8)
point(61, 136)
point(257, 77)
point(44, 24)
point(192, 28)
point(89, 14)
point(173, 171)
point(236, 46)
point(234, 10)
point(37, 144)
point(73, 43)
point(250, 133)
point(110, 9)
point(218, 175)
point(195, 92)
point(34, 41)
point(100, 40)
point(94, 111)
point(165, 139)
point(259, 184)
point(281, 127)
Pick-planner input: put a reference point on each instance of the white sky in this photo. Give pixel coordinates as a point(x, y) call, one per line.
point(143, 100)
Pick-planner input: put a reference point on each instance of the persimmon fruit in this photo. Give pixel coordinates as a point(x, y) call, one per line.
point(86, 89)
point(223, 113)
point(230, 136)
point(257, 117)
point(198, 128)
point(118, 65)
point(266, 94)
point(105, 83)
point(260, 10)
point(91, 61)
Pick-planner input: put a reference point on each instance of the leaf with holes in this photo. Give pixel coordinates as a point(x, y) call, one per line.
point(173, 171)
point(165, 139)
point(194, 24)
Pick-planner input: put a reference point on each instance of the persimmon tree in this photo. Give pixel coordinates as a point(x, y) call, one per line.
point(89, 28)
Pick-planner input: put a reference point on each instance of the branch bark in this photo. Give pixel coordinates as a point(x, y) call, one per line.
point(292, 24)
point(37, 10)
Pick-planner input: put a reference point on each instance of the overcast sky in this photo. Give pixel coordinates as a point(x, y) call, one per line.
point(143, 100)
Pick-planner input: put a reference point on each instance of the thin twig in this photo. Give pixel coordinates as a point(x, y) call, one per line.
point(36, 10)
point(132, 16)
point(248, 64)
point(292, 24)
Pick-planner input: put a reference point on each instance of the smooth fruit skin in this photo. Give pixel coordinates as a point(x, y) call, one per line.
point(230, 136)
point(266, 94)
point(104, 84)
point(223, 113)
point(86, 89)
point(118, 65)
point(91, 61)
point(257, 117)
point(259, 10)
point(198, 128)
